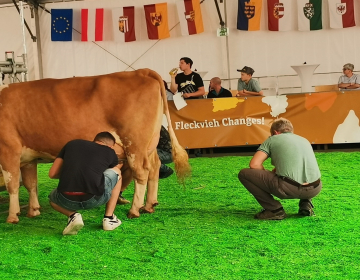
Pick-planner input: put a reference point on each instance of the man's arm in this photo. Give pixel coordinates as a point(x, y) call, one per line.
point(258, 160)
point(349, 85)
point(245, 92)
point(200, 92)
point(173, 85)
point(55, 170)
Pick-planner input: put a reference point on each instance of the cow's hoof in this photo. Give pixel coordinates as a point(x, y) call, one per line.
point(144, 210)
point(12, 220)
point(33, 213)
point(132, 215)
point(150, 209)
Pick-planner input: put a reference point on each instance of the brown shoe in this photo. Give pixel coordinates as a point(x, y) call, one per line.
point(122, 200)
point(306, 208)
point(269, 215)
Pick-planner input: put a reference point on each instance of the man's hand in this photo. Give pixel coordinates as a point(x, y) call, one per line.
point(242, 93)
point(186, 95)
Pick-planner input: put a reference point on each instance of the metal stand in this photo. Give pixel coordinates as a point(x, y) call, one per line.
point(12, 68)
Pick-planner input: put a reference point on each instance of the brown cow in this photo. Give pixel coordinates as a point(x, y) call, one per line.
point(38, 118)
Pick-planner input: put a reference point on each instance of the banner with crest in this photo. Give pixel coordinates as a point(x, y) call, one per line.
point(249, 14)
point(309, 15)
point(123, 20)
point(341, 13)
point(190, 17)
point(156, 16)
point(279, 15)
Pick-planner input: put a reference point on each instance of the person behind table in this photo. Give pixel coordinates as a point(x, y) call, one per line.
point(169, 94)
point(189, 83)
point(296, 173)
point(89, 176)
point(247, 86)
point(216, 90)
point(349, 81)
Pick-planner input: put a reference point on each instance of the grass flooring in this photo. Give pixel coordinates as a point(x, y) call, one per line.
point(205, 231)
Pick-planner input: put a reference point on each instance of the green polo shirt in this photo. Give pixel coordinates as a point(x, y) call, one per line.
point(292, 156)
point(252, 85)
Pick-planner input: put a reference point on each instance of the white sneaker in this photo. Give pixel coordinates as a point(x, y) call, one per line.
point(74, 225)
point(110, 224)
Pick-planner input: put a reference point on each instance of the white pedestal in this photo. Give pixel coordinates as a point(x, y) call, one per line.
point(202, 73)
point(305, 72)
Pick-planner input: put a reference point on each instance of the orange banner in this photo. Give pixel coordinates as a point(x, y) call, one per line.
point(156, 16)
point(322, 118)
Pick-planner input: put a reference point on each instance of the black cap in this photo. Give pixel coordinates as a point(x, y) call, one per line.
point(247, 70)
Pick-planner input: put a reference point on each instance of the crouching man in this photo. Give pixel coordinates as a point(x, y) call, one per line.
point(296, 173)
point(89, 176)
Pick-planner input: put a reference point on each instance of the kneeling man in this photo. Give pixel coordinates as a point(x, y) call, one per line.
point(89, 176)
point(296, 173)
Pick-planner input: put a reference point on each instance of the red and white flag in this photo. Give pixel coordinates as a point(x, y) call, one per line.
point(190, 17)
point(341, 13)
point(124, 24)
point(279, 15)
point(92, 24)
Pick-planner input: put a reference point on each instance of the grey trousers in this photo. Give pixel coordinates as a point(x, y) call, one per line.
point(262, 184)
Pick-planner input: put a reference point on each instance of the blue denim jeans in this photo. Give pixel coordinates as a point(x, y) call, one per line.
point(111, 178)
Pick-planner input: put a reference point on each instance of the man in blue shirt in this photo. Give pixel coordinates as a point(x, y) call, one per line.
point(216, 90)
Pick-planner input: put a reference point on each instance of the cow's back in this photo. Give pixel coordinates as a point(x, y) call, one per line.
point(46, 114)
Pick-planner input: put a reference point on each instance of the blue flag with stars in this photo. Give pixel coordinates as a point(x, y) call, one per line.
point(61, 24)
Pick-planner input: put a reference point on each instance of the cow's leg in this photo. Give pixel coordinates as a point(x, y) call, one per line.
point(153, 183)
point(29, 177)
point(127, 177)
point(11, 172)
point(138, 199)
point(141, 173)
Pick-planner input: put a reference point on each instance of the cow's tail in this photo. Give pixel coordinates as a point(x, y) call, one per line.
point(180, 156)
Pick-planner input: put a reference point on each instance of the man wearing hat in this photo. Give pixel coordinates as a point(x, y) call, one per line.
point(349, 80)
point(247, 86)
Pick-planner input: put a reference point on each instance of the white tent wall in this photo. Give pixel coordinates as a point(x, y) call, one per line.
point(270, 53)
point(76, 58)
point(11, 38)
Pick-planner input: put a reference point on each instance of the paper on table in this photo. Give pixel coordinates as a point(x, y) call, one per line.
point(179, 101)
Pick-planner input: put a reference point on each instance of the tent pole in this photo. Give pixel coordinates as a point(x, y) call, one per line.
point(24, 41)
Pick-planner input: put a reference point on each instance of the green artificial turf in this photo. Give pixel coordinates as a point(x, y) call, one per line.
point(205, 231)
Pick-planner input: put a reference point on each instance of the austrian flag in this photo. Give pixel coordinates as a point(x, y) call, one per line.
point(341, 13)
point(190, 17)
point(92, 24)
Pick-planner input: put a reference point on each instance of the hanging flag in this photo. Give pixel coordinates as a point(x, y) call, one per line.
point(309, 15)
point(341, 13)
point(249, 14)
point(279, 15)
point(92, 24)
point(124, 24)
point(61, 24)
point(157, 21)
point(190, 17)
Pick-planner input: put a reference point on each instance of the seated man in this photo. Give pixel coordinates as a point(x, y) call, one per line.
point(247, 86)
point(349, 81)
point(296, 173)
point(89, 176)
point(216, 90)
